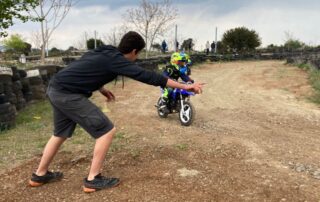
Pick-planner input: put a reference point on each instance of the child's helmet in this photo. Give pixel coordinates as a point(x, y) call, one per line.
point(178, 58)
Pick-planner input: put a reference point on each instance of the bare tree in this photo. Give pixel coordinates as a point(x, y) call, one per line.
point(52, 13)
point(35, 37)
point(288, 36)
point(115, 35)
point(151, 19)
point(81, 43)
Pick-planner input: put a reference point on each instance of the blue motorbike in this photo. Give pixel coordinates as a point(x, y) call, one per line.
point(179, 102)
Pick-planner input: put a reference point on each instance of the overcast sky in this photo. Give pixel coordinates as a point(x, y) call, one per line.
point(197, 20)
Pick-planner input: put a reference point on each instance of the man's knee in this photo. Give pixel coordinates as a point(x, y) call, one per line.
point(108, 134)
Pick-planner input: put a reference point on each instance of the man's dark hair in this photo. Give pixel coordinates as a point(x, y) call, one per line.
point(131, 40)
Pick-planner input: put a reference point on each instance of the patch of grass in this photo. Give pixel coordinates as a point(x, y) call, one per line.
point(32, 131)
point(120, 136)
point(41, 144)
point(314, 79)
point(118, 142)
point(304, 66)
point(35, 113)
point(182, 147)
point(135, 153)
point(34, 127)
point(314, 76)
point(116, 147)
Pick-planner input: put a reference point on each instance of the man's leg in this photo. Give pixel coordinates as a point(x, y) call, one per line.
point(49, 152)
point(42, 175)
point(100, 150)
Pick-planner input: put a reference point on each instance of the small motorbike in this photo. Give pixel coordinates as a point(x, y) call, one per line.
point(179, 102)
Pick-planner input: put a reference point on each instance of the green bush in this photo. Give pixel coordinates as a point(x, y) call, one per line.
point(314, 78)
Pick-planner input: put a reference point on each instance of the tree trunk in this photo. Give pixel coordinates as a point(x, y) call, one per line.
point(43, 47)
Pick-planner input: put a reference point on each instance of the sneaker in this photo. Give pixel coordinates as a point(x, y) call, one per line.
point(99, 182)
point(37, 181)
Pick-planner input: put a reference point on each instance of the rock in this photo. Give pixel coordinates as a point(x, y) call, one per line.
point(316, 174)
point(300, 168)
point(184, 172)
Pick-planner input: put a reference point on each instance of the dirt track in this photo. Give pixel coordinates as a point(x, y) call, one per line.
point(255, 138)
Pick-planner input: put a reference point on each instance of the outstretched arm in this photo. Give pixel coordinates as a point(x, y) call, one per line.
point(195, 87)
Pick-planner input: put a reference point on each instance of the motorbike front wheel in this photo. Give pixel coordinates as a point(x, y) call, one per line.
point(187, 114)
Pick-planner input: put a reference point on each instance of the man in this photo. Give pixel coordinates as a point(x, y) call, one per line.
point(207, 48)
point(164, 46)
point(68, 93)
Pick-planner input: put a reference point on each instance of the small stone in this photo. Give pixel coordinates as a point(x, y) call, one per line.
point(166, 174)
point(316, 174)
point(300, 168)
point(184, 172)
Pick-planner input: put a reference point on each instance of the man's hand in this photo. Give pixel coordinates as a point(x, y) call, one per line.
point(108, 94)
point(195, 87)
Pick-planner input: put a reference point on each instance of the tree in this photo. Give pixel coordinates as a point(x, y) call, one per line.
point(241, 40)
point(90, 43)
point(35, 37)
point(15, 43)
point(14, 9)
point(27, 48)
point(187, 44)
point(292, 43)
point(115, 35)
point(151, 19)
point(52, 13)
point(55, 51)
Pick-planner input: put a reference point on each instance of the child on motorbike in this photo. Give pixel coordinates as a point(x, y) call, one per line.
point(177, 69)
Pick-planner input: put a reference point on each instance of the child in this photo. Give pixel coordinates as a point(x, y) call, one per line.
point(177, 69)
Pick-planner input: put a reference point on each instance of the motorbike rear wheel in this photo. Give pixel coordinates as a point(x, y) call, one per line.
point(187, 114)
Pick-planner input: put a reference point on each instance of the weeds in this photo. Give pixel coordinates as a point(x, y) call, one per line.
point(314, 76)
point(182, 147)
point(135, 153)
point(314, 79)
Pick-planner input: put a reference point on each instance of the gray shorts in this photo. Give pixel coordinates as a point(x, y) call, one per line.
point(72, 109)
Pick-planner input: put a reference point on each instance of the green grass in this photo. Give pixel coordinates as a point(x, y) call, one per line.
point(304, 66)
point(182, 147)
point(33, 129)
point(314, 79)
point(34, 126)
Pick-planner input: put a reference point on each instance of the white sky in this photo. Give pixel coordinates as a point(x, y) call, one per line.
point(197, 20)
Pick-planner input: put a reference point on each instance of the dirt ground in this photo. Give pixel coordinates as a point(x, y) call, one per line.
point(255, 138)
